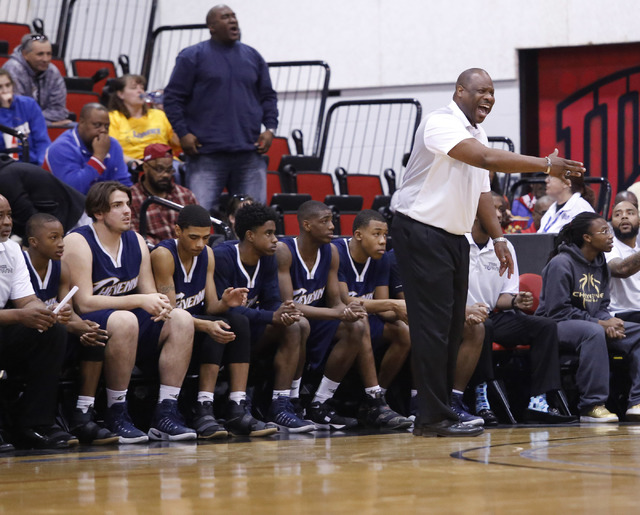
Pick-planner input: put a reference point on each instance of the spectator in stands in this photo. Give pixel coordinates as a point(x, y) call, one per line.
point(218, 96)
point(364, 274)
point(133, 123)
point(157, 180)
point(35, 76)
point(86, 154)
point(624, 263)
point(32, 346)
point(627, 195)
point(110, 264)
point(571, 197)
point(276, 327)
point(234, 204)
point(540, 208)
point(51, 282)
point(308, 275)
point(575, 293)
point(443, 189)
point(493, 315)
point(523, 205)
point(22, 114)
point(31, 190)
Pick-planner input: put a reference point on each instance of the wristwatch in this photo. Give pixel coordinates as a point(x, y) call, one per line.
point(500, 239)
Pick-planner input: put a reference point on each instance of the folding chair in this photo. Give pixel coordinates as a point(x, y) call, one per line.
point(345, 208)
point(287, 204)
point(12, 33)
point(90, 67)
point(76, 100)
point(279, 147)
point(369, 186)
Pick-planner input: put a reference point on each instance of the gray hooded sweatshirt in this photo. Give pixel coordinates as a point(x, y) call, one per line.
point(47, 88)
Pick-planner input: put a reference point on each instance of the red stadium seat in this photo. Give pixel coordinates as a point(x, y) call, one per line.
point(273, 185)
point(279, 147)
point(59, 63)
point(88, 67)
point(77, 99)
point(12, 33)
point(316, 184)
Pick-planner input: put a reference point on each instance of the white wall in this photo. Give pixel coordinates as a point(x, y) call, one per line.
point(417, 48)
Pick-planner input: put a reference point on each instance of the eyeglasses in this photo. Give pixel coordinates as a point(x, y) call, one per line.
point(38, 37)
point(168, 170)
point(606, 231)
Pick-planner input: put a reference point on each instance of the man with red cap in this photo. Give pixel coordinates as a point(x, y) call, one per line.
point(157, 180)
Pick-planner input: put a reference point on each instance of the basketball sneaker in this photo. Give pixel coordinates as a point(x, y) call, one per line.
point(282, 414)
point(240, 421)
point(324, 416)
point(376, 412)
point(84, 426)
point(119, 422)
point(205, 423)
point(633, 413)
point(460, 409)
point(598, 415)
point(167, 423)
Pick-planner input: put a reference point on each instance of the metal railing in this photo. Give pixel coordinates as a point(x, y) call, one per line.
point(219, 224)
point(95, 29)
point(505, 179)
point(369, 136)
point(302, 87)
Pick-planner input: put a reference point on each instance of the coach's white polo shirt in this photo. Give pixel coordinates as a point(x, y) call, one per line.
point(436, 189)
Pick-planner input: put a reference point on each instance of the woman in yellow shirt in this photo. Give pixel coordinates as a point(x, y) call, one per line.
point(133, 123)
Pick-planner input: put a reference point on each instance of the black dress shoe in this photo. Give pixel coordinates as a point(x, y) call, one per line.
point(488, 416)
point(4, 445)
point(45, 437)
point(553, 416)
point(447, 428)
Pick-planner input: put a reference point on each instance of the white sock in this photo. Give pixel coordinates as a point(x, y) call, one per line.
point(85, 402)
point(295, 388)
point(457, 392)
point(373, 390)
point(238, 396)
point(115, 396)
point(383, 390)
point(280, 393)
point(414, 393)
point(205, 396)
point(168, 393)
point(326, 390)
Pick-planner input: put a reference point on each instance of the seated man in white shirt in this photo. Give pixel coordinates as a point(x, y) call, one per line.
point(493, 315)
point(624, 263)
point(32, 346)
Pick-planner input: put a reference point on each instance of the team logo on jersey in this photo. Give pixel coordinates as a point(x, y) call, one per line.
point(189, 302)
point(113, 286)
point(302, 297)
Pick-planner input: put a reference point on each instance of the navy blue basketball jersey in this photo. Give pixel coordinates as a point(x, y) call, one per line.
point(190, 287)
point(113, 277)
point(361, 283)
point(309, 285)
point(264, 292)
point(47, 290)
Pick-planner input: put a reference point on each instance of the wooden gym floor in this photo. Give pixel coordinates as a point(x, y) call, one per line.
point(523, 469)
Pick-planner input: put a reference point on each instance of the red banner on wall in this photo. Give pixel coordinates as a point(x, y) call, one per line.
point(586, 102)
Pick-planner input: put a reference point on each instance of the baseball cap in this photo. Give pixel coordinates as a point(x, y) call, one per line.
point(156, 151)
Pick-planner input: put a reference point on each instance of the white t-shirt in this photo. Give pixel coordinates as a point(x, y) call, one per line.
point(14, 276)
point(485, 283)
point(554, 220)
point(625, 293)
point(436, 189)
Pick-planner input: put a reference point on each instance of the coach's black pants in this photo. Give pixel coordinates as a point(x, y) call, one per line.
point(434, 267)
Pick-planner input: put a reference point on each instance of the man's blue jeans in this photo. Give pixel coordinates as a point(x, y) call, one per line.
point(242, 173)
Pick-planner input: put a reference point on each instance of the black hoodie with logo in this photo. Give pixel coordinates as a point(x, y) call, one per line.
point(574, 288)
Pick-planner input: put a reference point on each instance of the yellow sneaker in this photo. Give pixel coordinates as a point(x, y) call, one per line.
point(600, 415)
point(633, 413)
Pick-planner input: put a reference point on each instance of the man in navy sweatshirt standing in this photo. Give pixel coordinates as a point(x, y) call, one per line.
point(218, 98)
